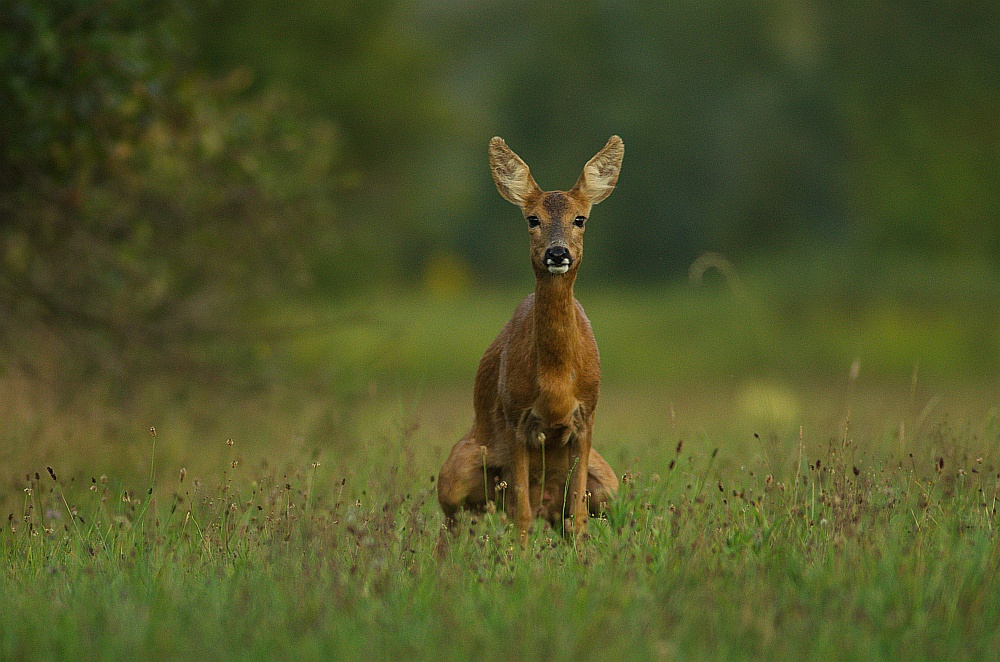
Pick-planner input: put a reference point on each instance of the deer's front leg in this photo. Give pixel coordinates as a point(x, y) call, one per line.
point(578, 507)
point(519, 479)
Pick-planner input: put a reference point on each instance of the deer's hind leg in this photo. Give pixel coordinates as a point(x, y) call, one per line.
point(602, 483)
point(465, 479)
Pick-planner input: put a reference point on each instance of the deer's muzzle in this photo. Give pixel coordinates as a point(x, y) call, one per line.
point(558, 259)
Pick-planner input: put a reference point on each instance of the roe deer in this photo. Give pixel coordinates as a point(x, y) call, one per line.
point(537, 384)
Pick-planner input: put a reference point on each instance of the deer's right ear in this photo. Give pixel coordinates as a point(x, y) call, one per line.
point(511, 174)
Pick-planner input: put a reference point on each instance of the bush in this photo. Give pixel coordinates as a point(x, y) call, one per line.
point(146, 209)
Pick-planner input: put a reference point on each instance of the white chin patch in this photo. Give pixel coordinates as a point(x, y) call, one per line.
point(561, 269)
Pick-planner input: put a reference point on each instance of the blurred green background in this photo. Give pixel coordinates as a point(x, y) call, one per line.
point(247, 244)
point(245, 196)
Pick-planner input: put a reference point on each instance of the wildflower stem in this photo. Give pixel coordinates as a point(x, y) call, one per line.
point(798, 472)
point(704, 475)
point(569, 476)
point(152, 458)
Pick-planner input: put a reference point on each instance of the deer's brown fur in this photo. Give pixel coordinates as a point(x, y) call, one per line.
point(537, 386)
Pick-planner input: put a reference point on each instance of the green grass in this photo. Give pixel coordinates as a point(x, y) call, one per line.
point(767, 512)
point(843, 547)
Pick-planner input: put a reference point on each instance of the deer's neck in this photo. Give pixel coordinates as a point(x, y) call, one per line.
point(556, 331)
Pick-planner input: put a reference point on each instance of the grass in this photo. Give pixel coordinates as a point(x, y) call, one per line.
point(843, 556)
point(833, 547)
point(764, 513)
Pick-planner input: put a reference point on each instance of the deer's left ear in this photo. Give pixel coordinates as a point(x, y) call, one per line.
point(600, 175)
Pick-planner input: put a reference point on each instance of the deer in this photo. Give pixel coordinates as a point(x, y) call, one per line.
point(537, 385)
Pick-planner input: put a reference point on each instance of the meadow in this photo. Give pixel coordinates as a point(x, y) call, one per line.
point(800, 481)
point(250, 256)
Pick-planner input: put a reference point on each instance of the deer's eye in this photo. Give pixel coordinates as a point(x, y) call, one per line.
point(533, 222)
point(579, 221)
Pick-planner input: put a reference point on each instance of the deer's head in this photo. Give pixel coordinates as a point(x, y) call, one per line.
point(556, 219)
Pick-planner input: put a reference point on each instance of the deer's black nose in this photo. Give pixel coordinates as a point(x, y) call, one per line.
point(557, 256)
point(558, 259)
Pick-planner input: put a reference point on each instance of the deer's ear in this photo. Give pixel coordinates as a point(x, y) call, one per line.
point(600, 175)
point(511, 174)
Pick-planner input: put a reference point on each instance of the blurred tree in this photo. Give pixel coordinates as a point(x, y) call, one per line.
point(728, 146)
point(750, 128)
point(78, 78)
point(144, 208)
point(918, 87)
point(144, 203)
point(365, 64)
